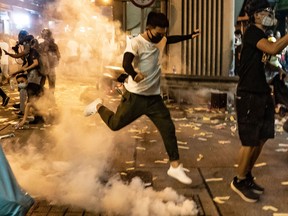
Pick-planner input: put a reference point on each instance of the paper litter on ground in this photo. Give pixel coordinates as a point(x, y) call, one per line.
point(183, 147)
point(179, 119)
point(224, 141)
point(213, 179)
point(281, 150)
point(221, 200)
point(164, 161)
point(182, 142)
point(219, 126)
point(283, 145)
point(200, 157)
point(130, 162)
point(260, 164)
point(134, 131)
point(272, 208)
point(136, 137)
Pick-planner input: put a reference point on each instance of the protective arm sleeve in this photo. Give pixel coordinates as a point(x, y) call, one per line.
point(127, 64)
point(178, 38)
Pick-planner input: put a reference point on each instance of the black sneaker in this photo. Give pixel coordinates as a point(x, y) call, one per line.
point(20, 114)
point(241, 187)
point(5, 101)
point(253, 185)
point(16, 106)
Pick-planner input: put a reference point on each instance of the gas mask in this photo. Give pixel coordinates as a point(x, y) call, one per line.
point(154, 39)
point(269, 20)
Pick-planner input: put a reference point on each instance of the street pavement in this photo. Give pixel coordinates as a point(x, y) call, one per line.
point(208, 145)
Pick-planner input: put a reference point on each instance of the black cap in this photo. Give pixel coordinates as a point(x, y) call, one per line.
point(253, 6)
point(21, 75)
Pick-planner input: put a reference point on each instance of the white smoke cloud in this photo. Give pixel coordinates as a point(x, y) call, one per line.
point(67, 170)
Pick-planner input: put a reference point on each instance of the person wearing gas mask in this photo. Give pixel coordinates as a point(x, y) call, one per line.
point(22, 41)
point(51, 55)
point(142, 95)
point(254, 103)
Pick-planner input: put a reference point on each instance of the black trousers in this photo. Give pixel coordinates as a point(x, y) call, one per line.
point(132, 106)
point(2, 94)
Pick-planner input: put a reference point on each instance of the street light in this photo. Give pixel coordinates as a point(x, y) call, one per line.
point(103, 2)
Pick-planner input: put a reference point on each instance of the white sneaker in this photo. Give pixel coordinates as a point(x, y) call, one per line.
point(179, 174)
point(91, 109)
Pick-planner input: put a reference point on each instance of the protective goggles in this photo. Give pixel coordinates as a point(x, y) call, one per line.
point(268, 9)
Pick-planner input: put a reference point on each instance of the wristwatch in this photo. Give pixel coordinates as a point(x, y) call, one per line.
point(142, 3)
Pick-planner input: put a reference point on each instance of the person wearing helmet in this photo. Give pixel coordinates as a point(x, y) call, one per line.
point(50, 54)
point(23, 39)
point(254, 103)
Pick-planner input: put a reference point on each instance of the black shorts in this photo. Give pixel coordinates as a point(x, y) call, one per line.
point(255, 117)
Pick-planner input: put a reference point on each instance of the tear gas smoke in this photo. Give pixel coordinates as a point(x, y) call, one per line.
point(66, 168)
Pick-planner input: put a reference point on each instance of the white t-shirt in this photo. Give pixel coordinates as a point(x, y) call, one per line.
point(147, 61)
point(4, 58)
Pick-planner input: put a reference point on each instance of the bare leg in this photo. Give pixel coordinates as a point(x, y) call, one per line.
point(174, 164)
point(255, 154)
point(245, 157)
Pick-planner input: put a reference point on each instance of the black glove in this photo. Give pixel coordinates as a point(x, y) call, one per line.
point(122, 77)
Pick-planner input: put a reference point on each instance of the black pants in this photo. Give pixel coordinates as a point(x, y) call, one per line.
point(132, 106)
point(2, 94)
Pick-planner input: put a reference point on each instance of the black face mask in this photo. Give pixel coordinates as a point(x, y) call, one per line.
point(154, 39)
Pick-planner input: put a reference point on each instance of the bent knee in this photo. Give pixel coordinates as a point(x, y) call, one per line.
point(115, 128)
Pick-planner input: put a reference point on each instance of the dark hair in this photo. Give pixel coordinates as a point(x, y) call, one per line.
point(253, 6)
point(155, 19)
point(21, 75)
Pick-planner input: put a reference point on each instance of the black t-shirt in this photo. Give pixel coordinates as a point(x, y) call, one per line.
point(33, 54)
point(252, 69)
point(33, 74)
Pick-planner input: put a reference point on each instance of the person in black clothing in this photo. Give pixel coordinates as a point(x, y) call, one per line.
point(51, 55)
point(142, 84)
point(254, 103)
point(5, 98)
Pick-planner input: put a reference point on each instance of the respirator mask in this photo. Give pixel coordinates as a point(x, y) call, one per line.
point(269, 19)
point(154, 39)
point(22, 85)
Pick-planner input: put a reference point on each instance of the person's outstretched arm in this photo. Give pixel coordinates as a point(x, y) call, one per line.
point(178, 38)
point(21, 54)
